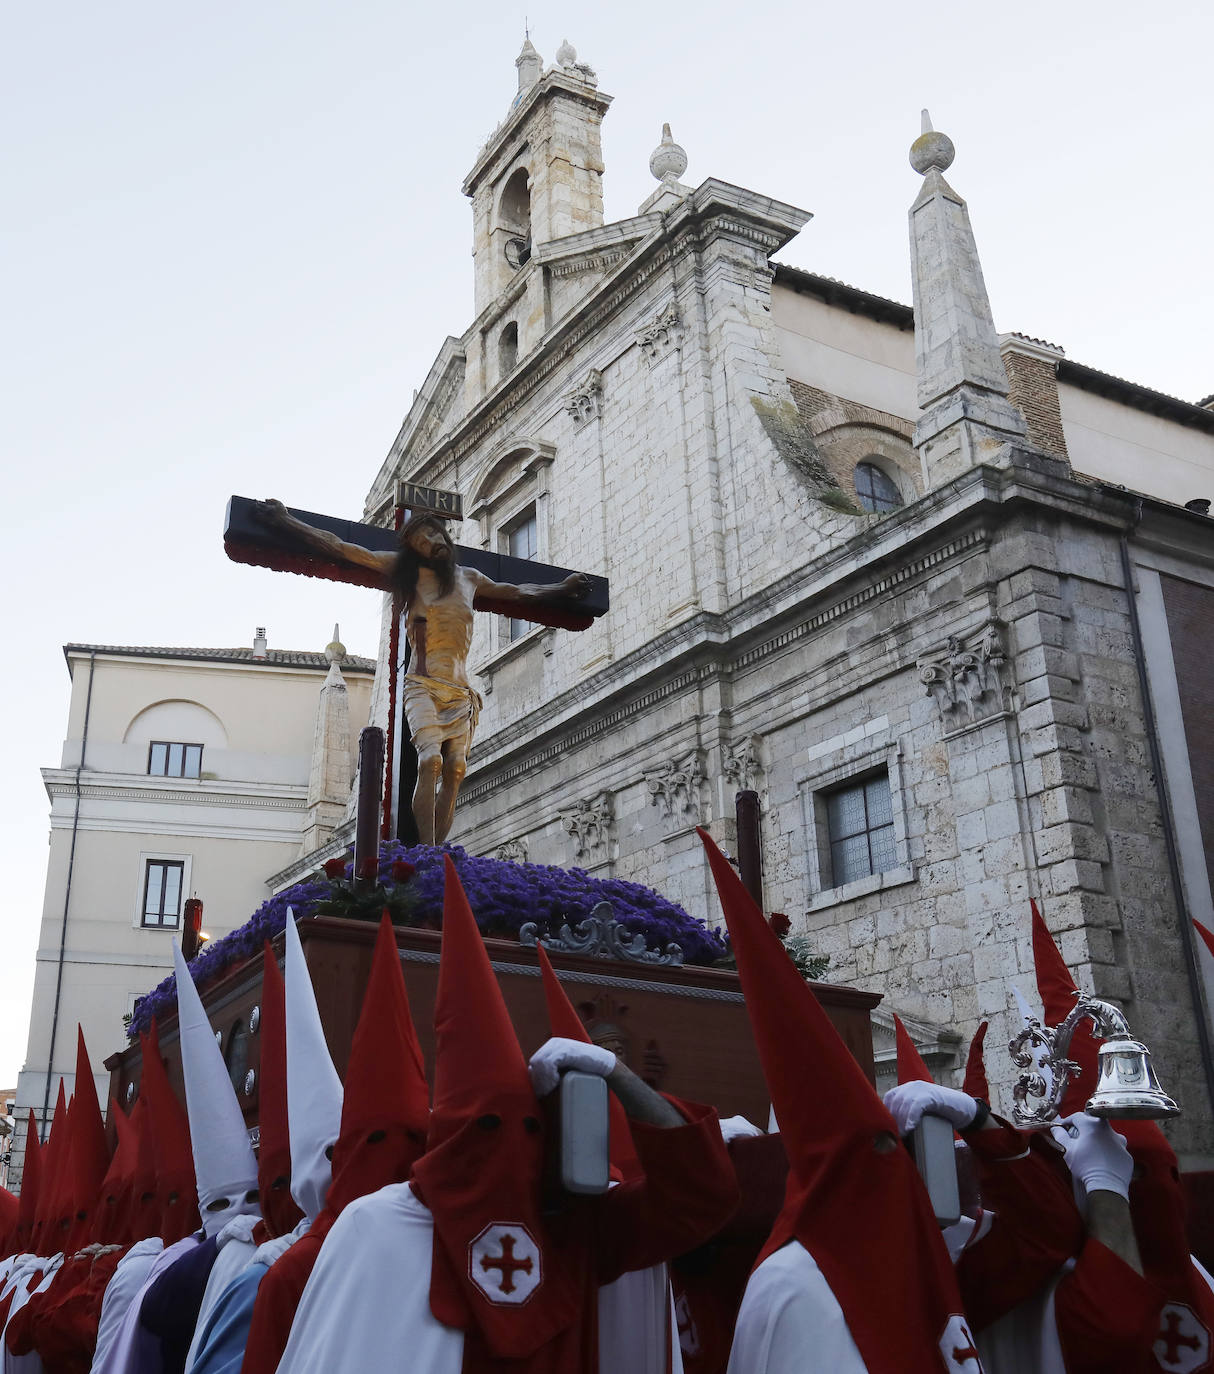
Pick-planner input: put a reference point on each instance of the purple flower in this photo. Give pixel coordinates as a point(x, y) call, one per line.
point(503, 896)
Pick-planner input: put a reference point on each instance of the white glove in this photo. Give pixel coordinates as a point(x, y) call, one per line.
point(1095, 1154)
point(734, 1127)
point(908, 1103)
point(558, 1053)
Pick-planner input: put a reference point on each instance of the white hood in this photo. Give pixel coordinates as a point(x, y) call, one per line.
point(314, 1091)
point(224, 1165)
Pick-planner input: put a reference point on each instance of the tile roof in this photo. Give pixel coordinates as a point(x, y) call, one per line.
point(274, 658)
point(1077, 374)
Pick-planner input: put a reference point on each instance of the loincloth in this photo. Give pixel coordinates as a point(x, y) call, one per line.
point(439, 711)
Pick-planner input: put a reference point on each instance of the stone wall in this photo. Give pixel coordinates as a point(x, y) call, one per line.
point(974, 646)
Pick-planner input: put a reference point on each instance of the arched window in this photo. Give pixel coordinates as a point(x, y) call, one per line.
point(876, 491)
point(507, 349)
point(514, 216)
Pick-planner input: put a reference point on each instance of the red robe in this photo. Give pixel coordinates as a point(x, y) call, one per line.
point(1036, 1226)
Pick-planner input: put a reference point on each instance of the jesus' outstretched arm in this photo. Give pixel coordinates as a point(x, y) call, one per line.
point(274, 514)
point(573, 587)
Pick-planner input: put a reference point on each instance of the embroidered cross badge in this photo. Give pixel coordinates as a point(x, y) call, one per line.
point(1183, 1343)
point(958, 1348)
point(504, 1263)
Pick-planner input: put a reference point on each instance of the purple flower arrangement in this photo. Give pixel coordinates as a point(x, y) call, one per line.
point(503, 895)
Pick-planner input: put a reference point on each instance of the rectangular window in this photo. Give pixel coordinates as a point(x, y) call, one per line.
point(169, 760)
point(860, 826)
point(522, 541)
point(162, 883)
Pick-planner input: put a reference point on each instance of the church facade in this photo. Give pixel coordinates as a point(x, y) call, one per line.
point(938, 596)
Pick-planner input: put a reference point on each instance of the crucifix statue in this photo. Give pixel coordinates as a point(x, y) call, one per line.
point(437, 586)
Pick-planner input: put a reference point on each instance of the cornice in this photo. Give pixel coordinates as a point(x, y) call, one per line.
point(61, 782)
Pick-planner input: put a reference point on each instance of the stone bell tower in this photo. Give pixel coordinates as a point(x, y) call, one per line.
point(539, 176)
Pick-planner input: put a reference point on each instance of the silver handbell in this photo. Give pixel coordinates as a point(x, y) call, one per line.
point(1126, 1086)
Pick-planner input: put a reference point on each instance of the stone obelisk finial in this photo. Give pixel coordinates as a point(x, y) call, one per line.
point(962, 381)
point(332, 762)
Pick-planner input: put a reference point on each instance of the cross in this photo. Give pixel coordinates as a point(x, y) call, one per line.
point(963, 1354)
point(508, 1265)
point(1171, 1339)
point(248, 539)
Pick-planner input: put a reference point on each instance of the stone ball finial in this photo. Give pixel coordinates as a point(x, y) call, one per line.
point(566, 54)
point(931, 149)
point(668, 159)
point(335, 650)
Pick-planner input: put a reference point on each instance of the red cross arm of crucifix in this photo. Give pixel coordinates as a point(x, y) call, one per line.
point(248, 539)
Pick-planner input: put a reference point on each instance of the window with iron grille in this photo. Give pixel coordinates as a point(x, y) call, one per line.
point(860, 827)
point(876, 491)
point(170, 760)
point(522, 541)
point(162, 884)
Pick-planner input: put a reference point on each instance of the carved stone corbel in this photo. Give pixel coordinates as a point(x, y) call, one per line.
point(584, 402)
point(674, 786)
point(588, 823)
point(742, 764)
point(661, 335)
point(966, 679)
point(513, 850)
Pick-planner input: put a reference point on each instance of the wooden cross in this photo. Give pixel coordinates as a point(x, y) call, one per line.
point(248, 539)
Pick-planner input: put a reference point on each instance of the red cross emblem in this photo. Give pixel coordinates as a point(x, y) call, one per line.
point(958, 1348)
point(504, 1263)
point(1183, 1343)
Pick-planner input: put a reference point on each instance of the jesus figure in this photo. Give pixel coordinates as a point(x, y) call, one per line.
point(439, 597)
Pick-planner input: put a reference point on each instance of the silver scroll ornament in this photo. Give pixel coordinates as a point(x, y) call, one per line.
point(1126, 1086)
point(601, 935)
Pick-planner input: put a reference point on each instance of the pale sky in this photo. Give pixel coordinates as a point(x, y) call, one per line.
point(235, 241)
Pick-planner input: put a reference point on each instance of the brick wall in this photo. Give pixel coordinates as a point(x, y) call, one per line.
point(1033, 386)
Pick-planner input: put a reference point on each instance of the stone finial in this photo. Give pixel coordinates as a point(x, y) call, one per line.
point(962, 382)
point(931, 149)
point(566, 54)
point(668, 160)
point(332, 760)
point(530, 65)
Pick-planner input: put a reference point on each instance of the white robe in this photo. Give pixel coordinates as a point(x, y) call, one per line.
point(236, 1250)
point(118, 1354)
point(124, 1283)
point(790, 1321)
point(638, 1333)
point(31, 1363)
point(368, 1298)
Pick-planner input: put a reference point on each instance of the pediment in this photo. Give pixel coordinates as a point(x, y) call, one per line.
point(437, 407)
point(596, 250)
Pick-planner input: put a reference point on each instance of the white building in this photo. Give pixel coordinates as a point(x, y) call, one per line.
point(185, 772)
